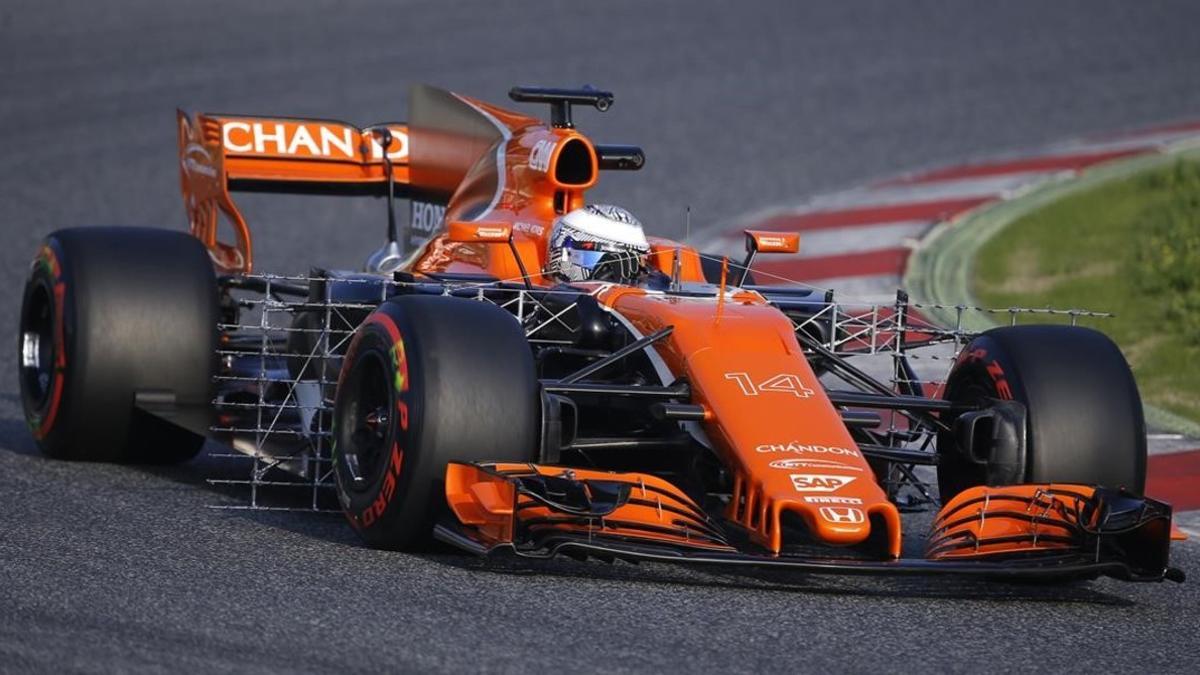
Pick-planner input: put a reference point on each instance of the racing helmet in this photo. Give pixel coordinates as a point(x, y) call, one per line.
point(598, 242)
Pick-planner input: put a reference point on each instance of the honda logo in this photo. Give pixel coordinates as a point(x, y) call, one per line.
point(842, 515)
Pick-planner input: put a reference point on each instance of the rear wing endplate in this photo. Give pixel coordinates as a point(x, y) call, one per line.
point(223, 153)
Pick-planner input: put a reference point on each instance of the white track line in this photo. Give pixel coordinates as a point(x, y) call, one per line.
point(931, 191)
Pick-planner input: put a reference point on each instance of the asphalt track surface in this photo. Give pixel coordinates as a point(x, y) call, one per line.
point(739, 106)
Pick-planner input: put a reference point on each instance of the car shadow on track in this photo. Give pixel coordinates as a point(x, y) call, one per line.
point(14, 431)
point(789, 581)
point(290, 509)
point(293, 514)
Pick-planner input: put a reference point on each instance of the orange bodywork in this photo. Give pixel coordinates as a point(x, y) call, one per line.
point(768, 241)
point(486, 498)
point(986, 521)
point(765, 414)
point(786, 445)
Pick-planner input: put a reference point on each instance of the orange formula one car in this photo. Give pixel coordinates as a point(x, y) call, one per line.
point(521, 371)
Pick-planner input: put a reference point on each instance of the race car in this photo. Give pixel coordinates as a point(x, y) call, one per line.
point(520, 371)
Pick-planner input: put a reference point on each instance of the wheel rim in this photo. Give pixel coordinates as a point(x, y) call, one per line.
point(37, 346)
point(365, 429)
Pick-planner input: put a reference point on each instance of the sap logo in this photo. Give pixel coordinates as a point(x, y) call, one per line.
point(798, 448)
point(427, 217)
point(842, 515)
point(539, 157)
point(811, 464)
point(833, 500)
point(810, 482)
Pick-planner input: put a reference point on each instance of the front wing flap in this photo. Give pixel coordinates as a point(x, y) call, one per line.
point(1043, 532)
point(527, 503)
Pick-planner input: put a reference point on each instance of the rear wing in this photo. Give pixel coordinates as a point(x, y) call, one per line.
point(224, 153)
point(454, 153)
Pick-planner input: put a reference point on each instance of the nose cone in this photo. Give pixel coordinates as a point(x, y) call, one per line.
point(841, 521)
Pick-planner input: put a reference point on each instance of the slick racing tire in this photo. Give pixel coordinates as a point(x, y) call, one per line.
point(1083, 414)
point(110, 314)
point(427, 380)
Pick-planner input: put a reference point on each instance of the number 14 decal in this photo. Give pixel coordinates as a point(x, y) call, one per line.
point(783, 382)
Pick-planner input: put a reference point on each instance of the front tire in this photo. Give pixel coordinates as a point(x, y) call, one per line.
point(427, 380)
point(1084, 420)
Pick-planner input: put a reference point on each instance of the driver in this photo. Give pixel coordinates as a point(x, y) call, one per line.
point(598, 242)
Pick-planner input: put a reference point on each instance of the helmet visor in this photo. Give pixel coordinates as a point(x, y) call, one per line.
point(600, 262)
point(587, 260)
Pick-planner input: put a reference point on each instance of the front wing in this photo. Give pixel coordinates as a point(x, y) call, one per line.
point(1048, 532)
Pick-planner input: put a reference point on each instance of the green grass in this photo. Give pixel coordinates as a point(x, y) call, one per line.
point(1128, 246)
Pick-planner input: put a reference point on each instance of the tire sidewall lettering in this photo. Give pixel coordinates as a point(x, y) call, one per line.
point(381, 334)
point(47, 268)
point(977, 357)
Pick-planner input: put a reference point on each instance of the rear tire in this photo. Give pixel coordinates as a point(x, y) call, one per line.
point(427, 380)
point(110, 313)
point(1084, 420)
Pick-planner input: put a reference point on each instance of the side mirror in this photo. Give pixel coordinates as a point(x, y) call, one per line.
point(478, 232)
point(763, 241)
